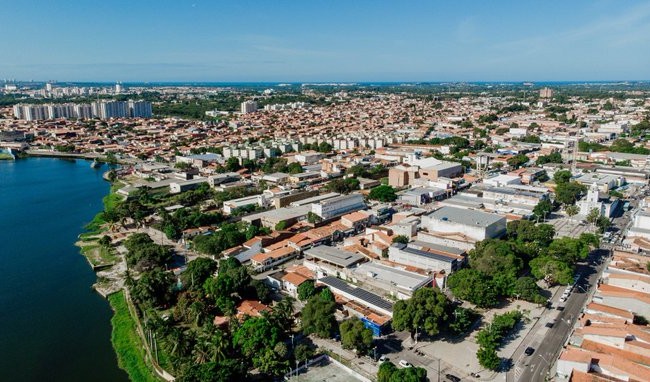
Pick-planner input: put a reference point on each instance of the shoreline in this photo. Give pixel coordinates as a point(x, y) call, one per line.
point(127, 337)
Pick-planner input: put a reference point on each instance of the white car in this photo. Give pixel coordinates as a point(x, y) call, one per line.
point(382, 359)
point(404, 363)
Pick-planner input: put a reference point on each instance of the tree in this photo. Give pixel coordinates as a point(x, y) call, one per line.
point(518, 160)
point(253, 335)
point(403, 239)
point(354, 335)
point(386, 370)
point(271, 361)
point(488, 358)
point(543, 208)
point(303, 352)
point(198, 270)
point(105, 241)
point(571, 210)
point(568, 192)
point(383, 193)
point(325, 147)
point(294, 168)
point(462, 319)
point(562, 176)
point(153, 288)
point(592, 216)
point(603, 224)
point(313, 218)
point(527, 289)
point(551, 270)
point(232, 164)
point(318, 315)
point(426, 309)
point(471, 285)
point(306, 290)
point(281, 226)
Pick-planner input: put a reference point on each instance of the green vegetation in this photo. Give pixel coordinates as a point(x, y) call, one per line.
point(343, 186)
point(490, 338)
point(426, 310)
point(229, 235)
point(126, 342)
point(401, 239)
point(354, 335)
point(388, 372)
point(383, 193)
point(500, 268)
point(318, 315)
point(554, 157)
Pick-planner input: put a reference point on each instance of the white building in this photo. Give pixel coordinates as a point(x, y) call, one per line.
point(248, 107)
point(476, 225)
point(338, 206)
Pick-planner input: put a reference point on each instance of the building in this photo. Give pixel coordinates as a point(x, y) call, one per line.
point(325, 261)
point(337, 206)
point(424, 259)
point(474, 224)
point(394, 281)
point(546, 93)
point(140, 109)
point(248, 107)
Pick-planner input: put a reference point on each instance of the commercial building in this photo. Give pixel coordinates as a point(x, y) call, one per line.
point(474, 224)
point(340, 205)
point(325, 261)
point(423, 259)
point(396, 282)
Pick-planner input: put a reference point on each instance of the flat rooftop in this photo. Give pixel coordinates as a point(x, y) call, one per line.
point(401, 278)
point(438, 247)
point(334, 255)
point(429, 255)
point(361, 294)
point(465, 217)
point(315, 199)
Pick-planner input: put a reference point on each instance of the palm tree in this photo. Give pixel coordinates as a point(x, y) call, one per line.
point(572, 210)
point(282, 313)
point(220, 346)
point(201, 350)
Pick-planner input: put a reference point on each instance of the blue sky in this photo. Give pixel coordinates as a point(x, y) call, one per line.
point(311, 40)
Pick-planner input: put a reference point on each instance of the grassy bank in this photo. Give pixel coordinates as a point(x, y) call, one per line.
point(110, 202)
point(5, 156)
point(126, 342)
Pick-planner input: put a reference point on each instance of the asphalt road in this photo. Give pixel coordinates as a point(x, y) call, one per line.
point(535, 367)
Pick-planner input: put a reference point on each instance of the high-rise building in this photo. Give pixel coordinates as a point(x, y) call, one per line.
point(111, 109)
point(546, 93)
point(248, 107)
point(140, 109)
point(118, 88)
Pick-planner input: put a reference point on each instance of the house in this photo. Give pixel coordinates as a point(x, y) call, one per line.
point(267, 260)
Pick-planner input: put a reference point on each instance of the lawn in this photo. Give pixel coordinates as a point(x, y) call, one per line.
point(126, 342)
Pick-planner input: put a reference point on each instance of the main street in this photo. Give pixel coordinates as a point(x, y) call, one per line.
point(548, 344)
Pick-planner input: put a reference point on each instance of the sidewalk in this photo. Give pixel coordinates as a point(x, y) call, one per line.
point(363, 365)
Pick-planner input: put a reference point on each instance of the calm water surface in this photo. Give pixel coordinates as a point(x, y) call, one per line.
point(53, 327)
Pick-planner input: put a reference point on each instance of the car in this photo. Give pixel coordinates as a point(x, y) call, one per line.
point(550, 324)
point(529, 350)
point(452, 378)
point(382, 359)
point(404, 363)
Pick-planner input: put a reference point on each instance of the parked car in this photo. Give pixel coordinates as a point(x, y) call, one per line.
point(382, 359)
point(529, 351)
point(404, 363)
point(452, 378)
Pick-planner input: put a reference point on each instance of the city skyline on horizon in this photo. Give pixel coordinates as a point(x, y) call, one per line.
point(196, 41)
